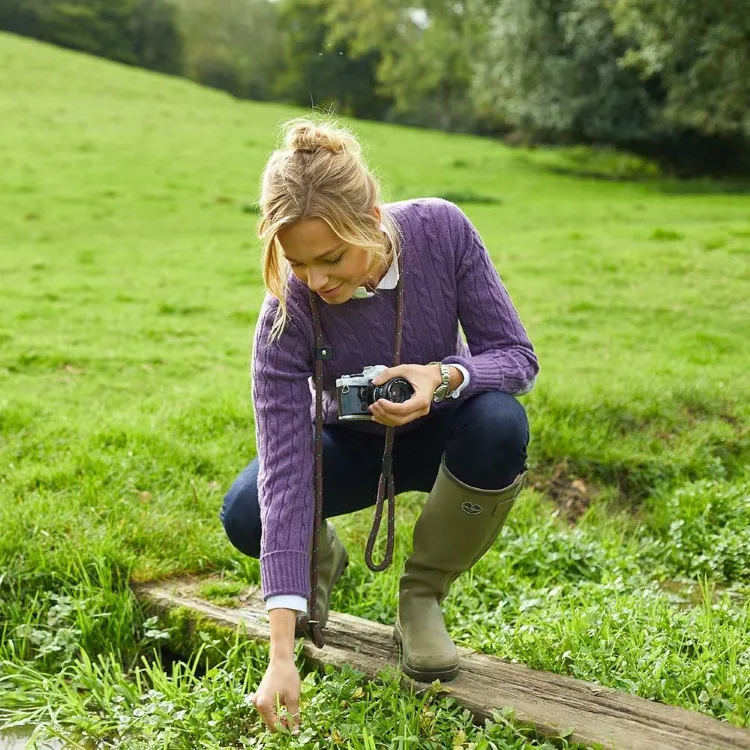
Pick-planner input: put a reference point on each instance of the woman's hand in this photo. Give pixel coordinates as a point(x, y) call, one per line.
point(424, 380)
point(281, 678)
point(281, 685)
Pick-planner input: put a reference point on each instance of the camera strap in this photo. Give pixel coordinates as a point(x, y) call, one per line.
point(386, 484)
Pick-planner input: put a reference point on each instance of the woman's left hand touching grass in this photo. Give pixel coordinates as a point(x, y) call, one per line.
point(424, 380)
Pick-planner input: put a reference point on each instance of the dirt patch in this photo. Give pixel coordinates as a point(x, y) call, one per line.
point(573, 495)
point(686, 594)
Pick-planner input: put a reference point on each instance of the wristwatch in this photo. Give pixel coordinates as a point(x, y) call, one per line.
point(443, 390)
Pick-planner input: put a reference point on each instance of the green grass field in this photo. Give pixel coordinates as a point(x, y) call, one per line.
point(129, 287)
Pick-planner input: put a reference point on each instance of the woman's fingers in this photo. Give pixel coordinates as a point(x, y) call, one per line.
point(414, 404)
point(277, 697)
point(395, 415)
point(292, 716)
point(267, 711)
point(278, 716)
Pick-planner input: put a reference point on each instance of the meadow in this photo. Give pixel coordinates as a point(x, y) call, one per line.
point(129, 287)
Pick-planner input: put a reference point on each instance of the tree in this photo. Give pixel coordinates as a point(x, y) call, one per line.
point(699, 50)
point(426, 54)
point(157, 43)
point(551, 67)
point(137, 32)
point(234, 45)
point(322, 73)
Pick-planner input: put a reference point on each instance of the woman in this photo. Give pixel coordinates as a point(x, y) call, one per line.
point(331, 248)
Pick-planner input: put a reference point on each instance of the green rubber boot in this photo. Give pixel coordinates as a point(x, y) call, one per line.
point(458, 524)
point(332, 561)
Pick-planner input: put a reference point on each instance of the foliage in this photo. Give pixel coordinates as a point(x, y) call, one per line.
point(137, 32)
point(668, 81)
point(234, 45)
point(699, 51)
point(552, 67)
point(425, 54)
point(701, 529)
point(157, 43)
point(323, 74)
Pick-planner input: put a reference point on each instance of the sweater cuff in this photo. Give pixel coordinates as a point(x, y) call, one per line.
point(484, 374)
point(285, 572)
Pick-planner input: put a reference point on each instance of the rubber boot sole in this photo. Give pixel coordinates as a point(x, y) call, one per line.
point(444, 674)
point(300, 630)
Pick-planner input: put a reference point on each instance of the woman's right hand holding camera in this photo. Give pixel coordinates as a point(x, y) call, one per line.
point(282, 677)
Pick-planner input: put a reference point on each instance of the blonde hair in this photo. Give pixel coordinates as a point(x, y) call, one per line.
point(318, 172)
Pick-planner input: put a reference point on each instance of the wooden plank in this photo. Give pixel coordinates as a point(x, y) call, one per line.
point(551, 703)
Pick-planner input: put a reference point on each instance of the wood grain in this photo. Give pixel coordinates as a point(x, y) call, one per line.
point(553, 704)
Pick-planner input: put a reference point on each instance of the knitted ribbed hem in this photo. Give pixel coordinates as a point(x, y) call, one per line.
point(484, 374)
point(285, 572)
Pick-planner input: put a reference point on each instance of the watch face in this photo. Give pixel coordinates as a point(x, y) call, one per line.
point(440, 393)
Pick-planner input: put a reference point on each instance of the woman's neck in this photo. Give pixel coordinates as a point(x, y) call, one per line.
point(380, 268)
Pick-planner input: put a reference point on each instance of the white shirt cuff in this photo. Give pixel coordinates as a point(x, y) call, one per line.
point(287, 601)
point(527, 389)
point(463, 385)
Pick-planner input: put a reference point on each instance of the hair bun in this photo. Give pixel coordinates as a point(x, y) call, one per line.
point(307, 136)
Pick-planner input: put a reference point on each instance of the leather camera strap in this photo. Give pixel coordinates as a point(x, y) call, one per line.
point(386, 485)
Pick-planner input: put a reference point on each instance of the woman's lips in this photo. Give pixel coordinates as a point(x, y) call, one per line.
point(331, 292)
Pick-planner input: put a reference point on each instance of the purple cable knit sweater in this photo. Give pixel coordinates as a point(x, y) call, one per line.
point(448, 278)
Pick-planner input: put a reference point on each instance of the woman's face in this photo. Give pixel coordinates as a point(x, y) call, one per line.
point(321, 260)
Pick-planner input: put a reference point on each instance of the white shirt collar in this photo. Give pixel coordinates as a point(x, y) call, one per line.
point(389, 281)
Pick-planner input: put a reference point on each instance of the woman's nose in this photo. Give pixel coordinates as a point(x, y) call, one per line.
point(316, 279)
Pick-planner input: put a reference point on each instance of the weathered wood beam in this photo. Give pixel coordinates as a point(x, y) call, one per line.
point(553, 704)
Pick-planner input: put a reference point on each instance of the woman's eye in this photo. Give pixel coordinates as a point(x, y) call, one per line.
point(336, 259)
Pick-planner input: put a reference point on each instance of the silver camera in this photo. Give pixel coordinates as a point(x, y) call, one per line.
point(354, 393)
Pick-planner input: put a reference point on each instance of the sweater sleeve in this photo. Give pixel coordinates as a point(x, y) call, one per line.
point(502, 356)
point(284, 435)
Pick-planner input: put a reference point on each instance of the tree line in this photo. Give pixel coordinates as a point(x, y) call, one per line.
point(666, 78)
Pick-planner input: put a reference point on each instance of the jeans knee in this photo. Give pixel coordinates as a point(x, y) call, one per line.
point(496, 422)
point(487, 448)
point(240, 517)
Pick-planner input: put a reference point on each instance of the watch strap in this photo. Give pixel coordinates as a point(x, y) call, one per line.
point(443, 390)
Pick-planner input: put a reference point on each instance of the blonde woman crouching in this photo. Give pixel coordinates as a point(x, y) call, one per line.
point(462, 436)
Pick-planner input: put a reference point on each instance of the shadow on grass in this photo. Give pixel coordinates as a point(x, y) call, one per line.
point(469, 197)
point(610, 165)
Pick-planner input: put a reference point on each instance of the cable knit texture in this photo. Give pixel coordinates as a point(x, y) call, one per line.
point(448, 278)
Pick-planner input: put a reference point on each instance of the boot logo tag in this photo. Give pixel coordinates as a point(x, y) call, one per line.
point(471, 508)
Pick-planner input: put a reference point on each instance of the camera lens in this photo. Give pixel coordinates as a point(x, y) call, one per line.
point(396, 390)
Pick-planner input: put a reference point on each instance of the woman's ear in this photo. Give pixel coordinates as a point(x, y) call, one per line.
point(378, 216)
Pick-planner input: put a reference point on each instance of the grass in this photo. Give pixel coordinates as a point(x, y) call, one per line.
point(129, 287)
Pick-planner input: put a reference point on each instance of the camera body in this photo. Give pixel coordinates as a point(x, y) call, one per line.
point(354, 393)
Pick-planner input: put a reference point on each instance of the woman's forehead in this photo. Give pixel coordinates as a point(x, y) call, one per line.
point(308, 239)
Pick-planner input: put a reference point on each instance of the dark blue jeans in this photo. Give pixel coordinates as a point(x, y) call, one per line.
point(484, 439)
